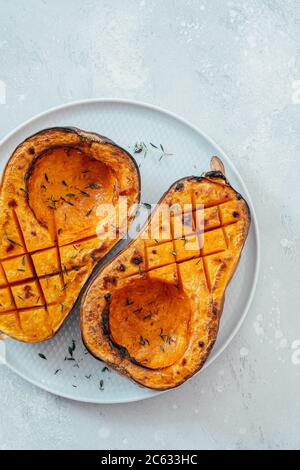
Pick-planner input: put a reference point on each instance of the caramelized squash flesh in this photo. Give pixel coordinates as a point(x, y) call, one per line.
point(142, 320)
point(51, 190)
point(153, 312)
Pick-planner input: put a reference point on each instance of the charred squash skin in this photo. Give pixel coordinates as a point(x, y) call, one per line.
point(49, 194)
point(153, 312)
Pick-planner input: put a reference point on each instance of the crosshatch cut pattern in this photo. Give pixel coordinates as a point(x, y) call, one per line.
point(202, 231)
point(49, 225)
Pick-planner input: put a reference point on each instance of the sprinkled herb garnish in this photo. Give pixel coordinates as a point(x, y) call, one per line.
point(143, 341)
point(23, 261)
point(43, 186)
point(105, 369)
point(94, 186)
point(88, 213)
point(147, 317)
point(68, 202)
point(101, 385)
point(166, 338)
point(24, 191)
point(42, 356)
point(57, 371)
point(46, 177)
point(88, 376)
point(141, 147)
point(84, 193)
point(72, 348)
point(147, 205)
point(138, 310)
point(164, 153)
point(70, 195)
point(64, 183)
point(13, 242)
point(138, 148)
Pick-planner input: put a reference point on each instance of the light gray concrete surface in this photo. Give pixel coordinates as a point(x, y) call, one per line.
point(233, 69)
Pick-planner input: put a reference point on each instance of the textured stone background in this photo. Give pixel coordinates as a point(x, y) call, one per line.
point(233, 69)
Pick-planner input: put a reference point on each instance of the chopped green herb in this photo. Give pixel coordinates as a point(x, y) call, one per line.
point(95, 186)
point(138, 148)
point(67, 202)
point(88, 213)
point(42, 356)
point(13, 241)
point(143, 341)
point(84, 193)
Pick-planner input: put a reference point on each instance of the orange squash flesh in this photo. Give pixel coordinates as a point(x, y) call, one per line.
point(51, 189)
point(153, 312)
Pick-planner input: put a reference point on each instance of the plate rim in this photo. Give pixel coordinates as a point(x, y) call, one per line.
point(211, 141)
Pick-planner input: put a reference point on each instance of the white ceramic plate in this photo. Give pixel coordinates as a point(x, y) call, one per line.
point(126, 123)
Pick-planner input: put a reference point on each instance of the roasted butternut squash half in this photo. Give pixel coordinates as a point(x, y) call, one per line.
point(49, 243)
point(153, 312)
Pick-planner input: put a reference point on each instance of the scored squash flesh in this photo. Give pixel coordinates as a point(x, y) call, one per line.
point(49, 240)
point(153, 312)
